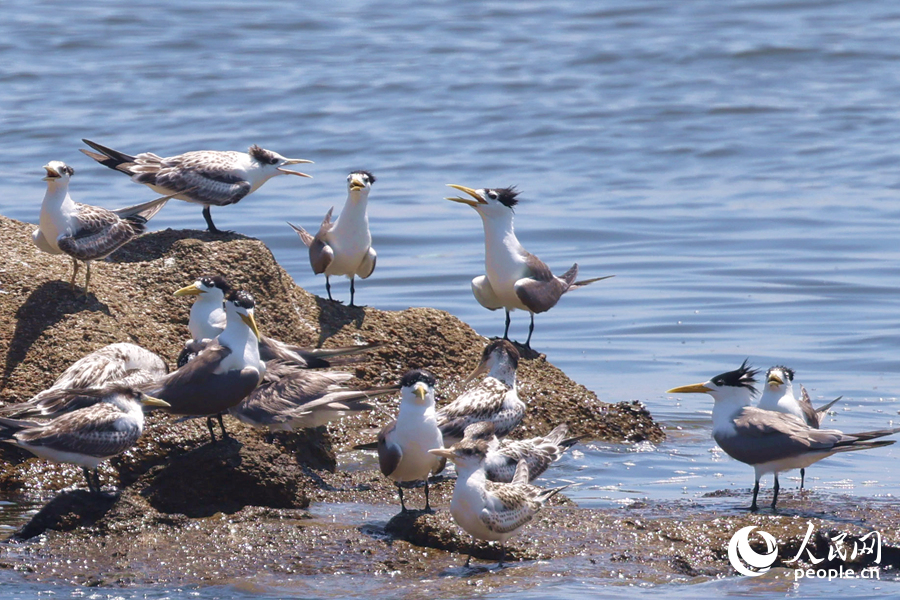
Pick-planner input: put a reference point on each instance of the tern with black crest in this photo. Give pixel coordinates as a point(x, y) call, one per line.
point(207, 177)
point(770, 441)
point(515, 279)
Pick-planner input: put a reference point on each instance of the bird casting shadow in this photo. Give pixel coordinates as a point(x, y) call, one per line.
point(69, 509)
point(45, 306)
point(155, 245)
point(333, 316)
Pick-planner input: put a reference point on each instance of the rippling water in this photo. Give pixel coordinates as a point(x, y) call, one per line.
point(733, 164)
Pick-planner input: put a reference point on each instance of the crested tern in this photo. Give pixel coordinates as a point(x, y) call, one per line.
point(778, 395)
point(291, 397)
point(488, 510)
point(404, 443)
point(515, 278)
point(88, 436)
point(85, 232)
point(119, 364)
point(207, 177)
point(493, 399)
point(225, 372)
point(344, 247)
point(503, 457)
point(769, 441)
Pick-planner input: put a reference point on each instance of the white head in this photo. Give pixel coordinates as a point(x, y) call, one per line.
point(489, 202)
point(467, 454)
point(359, 183)
point(58, 173)
point(500, 359)
point(780, 381)
point(417, 388)
point(209, 288)
point(239, 308)
point(732, 387)
point(127, 398)
point(272, 163)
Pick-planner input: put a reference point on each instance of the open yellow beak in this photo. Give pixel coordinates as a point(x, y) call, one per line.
point(51, 173)
point(474, 201)
point(251, 323)
point(774, 380)
point(191, 290)
point(697, 388)
point(151, 401)
point(294, 161)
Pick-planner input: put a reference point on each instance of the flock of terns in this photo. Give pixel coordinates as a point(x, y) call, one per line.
point(95, 409)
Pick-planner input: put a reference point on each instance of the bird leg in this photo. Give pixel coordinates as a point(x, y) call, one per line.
point(210, 226)
point(400, 491)
point(802, 478)
point(87, 277)
point(328, 287)
point(471, 552)
point(87, 475)
point(97, 481)
point(222, 425)
point(502, 555)
point(775, 494)
point(506, 331)
point(74, 273)
point(753, 507)
point(530, 331)
point(352, 291)
point(209, 425)
point(427, 504)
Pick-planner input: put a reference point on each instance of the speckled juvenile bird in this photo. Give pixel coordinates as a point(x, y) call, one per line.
point(488, 510)
point(503, 457)
point(493, 399)
point(84, 232)
point(514, 278)
point(207, 177)
point(344, 247)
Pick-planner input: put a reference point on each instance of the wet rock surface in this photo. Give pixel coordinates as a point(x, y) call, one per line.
point(188, 511)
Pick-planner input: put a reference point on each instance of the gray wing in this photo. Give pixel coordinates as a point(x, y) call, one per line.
point(809, 413)
point(541, 291)
point(764, 436)
point(511, 507)
point(208, 173)
point(537, 454)
point(484, 402)
point(284, 389)
point(389, 454)
point(320, 253)
point(367, 266)
point(196, 389)
point(100, 232)
point(101, 430)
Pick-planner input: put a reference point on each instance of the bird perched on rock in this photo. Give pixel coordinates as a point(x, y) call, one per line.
point(769, 441)
point(404, 443)
point(514, 278)
point(493, 399)
point(118, 364)
point(344, 247)
point(488, 510)
point(502, 458)
point(207, 177)
point(778, 395)
point(88, 436)
point(84, 232)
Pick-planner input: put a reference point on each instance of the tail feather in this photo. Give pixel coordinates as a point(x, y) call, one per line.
point(146, 210)
point(108, 157)
point(557, 435)
point(860, 445)
point(305, 236)
point(585, 282)
point(824, 409)
point(549, 493)
point(869, 435)
point(569, 442)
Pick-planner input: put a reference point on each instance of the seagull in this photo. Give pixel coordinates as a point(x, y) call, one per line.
point(121, 363)
point(778, 395)
point(344, 247)
point(493, 399)
point(488, 510)
point(769, 441)
point(405, 442)
point(223, 374)
point(291, 397)
point(207, 177)
point(515, 279)
point(82, 231)
point(207, 320)
point(88, 436)
point(503, 457)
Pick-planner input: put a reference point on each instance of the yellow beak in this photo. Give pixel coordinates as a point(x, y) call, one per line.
point(479, 370)
point(697, 388)
point(774, 380)
point(51, 173)
point(295, 161)
point(251, 323)
point(476, 198)
point(420, 391)
point(191, 290)
point(151, 401)
point(442, 452)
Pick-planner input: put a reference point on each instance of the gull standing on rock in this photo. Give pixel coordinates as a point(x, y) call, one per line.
point(207, 177)
point(503, 458)
point(488, 510)
point(405, 442)
point(225, 372)
point(344, 247)
point(769, 441)
point(88, 436)
point(778, 395)
point(82, 231)
point(493, 399)
point(515, 278)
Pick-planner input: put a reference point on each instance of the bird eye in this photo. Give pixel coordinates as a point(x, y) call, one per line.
point(274, 161)
point(492, 194)
point(69, 170)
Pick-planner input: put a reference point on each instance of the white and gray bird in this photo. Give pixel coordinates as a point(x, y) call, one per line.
point(84, 232)
point(207, 320)
point(503, 457)
point(770, 441)
point(225, 372)
point(515, 279)
point(493, 399)
point(292, 397)
point(344, 246)
point(489, 510)
point(88, 436)
point(778, 395)
point(207, 177)
point(119, 364)
point(404, 443)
